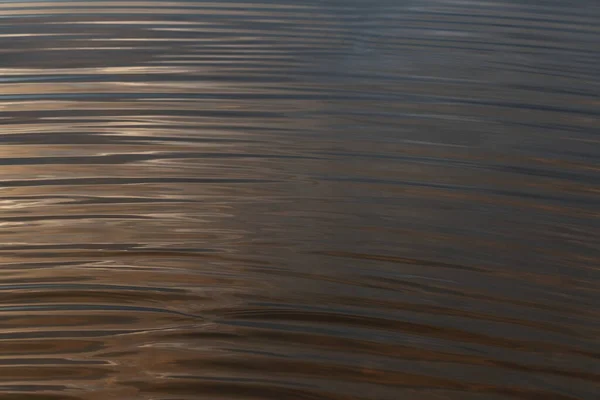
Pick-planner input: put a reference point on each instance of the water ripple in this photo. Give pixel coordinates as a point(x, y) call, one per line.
point(342, 200)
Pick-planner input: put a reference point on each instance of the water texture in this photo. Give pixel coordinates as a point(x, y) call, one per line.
point(337, 200)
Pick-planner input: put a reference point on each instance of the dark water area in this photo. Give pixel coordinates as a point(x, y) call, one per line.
point(337, 200)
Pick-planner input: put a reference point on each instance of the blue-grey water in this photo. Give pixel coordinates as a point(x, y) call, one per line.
point(321, 199)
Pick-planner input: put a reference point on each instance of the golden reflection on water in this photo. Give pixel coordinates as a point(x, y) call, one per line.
point(333, 200)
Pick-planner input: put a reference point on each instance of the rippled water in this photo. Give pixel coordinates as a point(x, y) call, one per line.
point(349, 200)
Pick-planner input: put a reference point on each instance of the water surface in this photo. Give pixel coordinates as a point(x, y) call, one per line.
point(341, 200)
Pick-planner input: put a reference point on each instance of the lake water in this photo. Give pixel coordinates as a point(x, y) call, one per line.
point(341, 200)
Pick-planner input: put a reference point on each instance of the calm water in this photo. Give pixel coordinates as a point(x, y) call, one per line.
point(342, 200)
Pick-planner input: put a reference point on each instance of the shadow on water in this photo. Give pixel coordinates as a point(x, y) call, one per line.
point(299, 200)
